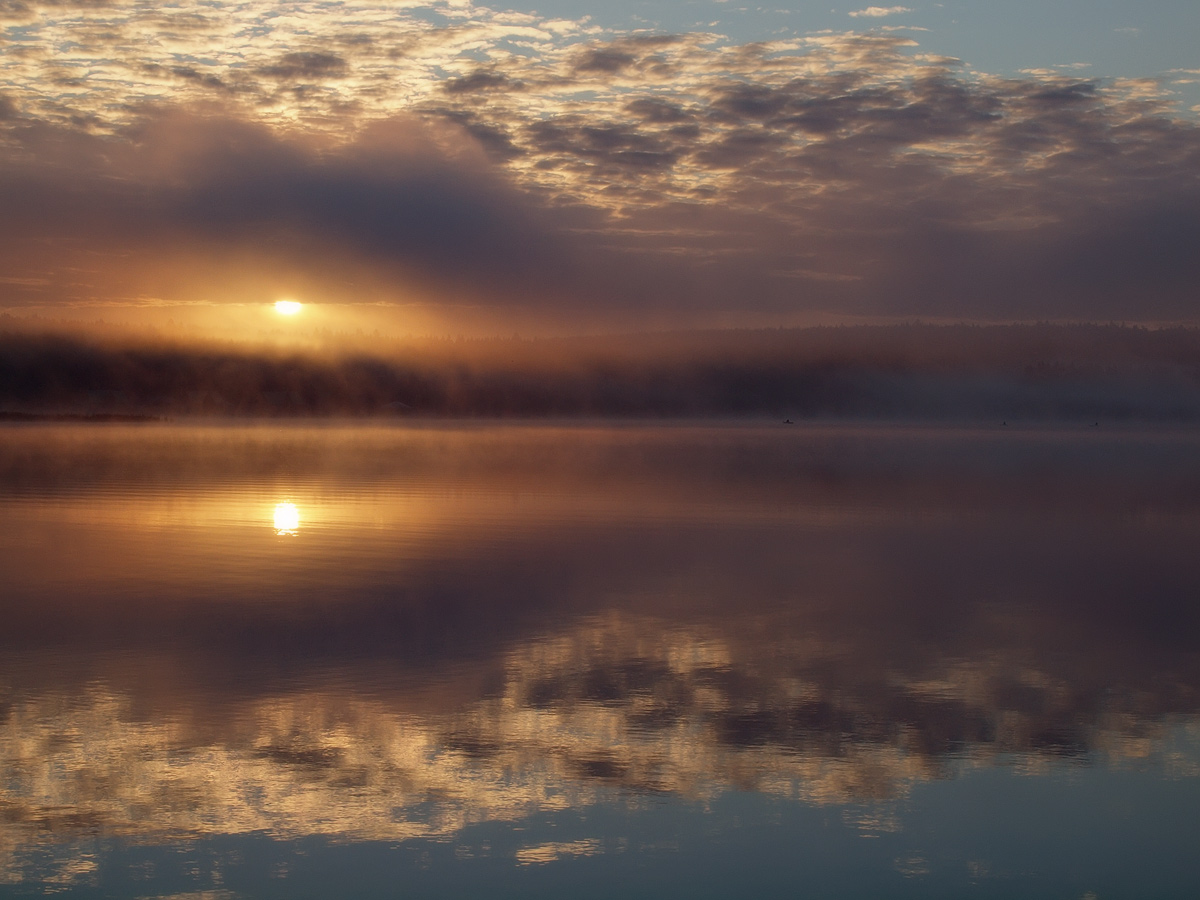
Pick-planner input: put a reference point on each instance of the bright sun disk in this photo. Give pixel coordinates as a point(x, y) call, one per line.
point(287, 307)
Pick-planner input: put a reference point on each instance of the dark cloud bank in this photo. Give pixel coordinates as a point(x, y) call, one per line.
point(193, 208)
point(1081, 374)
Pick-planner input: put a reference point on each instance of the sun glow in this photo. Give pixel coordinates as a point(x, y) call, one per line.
point(287, 518)
point(287, 307)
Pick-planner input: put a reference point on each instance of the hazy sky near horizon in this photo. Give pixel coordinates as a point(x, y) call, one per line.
point(636, 163)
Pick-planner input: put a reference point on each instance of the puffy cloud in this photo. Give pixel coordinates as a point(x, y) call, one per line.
point(480, 80)
point(306, 65)
point(877, 12)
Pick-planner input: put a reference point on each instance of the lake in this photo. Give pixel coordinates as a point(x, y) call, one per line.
point(533, 660)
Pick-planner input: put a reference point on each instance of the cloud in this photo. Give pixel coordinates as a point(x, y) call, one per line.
point(401, 200)
point(509, 162)
point(604, 60)
point(306, 65)
point(875, 12)
point(480, 80)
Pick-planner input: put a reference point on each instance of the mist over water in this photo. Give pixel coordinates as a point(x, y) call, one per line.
point(1082, 373)
point(258, 660)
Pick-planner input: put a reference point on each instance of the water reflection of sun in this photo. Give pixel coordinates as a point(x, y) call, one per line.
point(287, 518)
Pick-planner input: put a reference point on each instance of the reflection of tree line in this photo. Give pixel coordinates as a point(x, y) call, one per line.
point(1004, 372)
point(613, 709)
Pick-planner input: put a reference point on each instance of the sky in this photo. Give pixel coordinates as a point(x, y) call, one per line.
point(572, 166)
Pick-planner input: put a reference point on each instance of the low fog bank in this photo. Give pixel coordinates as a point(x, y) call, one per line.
point(963, 372)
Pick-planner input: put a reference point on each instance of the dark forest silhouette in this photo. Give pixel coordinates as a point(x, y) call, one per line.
point(1010, 372)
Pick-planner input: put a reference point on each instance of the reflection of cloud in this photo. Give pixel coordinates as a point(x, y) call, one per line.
point(617, 707)
point(540, 854)
point(912, 866)
point(852, 623)
point(286, 518)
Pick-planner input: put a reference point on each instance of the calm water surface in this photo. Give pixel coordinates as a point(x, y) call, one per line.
point(530, 660)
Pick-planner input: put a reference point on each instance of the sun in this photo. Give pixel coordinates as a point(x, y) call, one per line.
point(287, 307)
